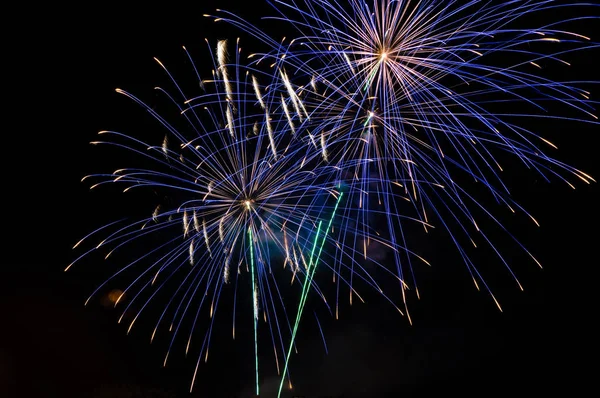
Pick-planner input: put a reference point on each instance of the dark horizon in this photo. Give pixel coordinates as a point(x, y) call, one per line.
point(64, 80)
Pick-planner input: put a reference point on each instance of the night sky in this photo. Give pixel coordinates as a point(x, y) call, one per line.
point(58, 92)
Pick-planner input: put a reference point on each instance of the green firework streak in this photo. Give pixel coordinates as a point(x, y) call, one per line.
point(255, 305)
point(310, 272)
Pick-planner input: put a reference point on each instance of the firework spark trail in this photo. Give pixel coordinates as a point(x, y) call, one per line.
point(255, 303)
point(417, 95)
point(310, 272)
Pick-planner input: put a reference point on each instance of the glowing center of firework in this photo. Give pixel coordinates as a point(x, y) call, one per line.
point(247, 203)
point(383, 55)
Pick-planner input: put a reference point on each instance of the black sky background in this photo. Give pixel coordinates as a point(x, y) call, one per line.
point(63, 65)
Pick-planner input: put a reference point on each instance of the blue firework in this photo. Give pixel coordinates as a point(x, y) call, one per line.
point(251, 206)
point(422, 97)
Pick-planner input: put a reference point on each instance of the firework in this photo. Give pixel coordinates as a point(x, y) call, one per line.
point(250, 199)
point(425, 96)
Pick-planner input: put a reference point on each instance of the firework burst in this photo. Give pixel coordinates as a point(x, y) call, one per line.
point(250, 199)
point(423, 97)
